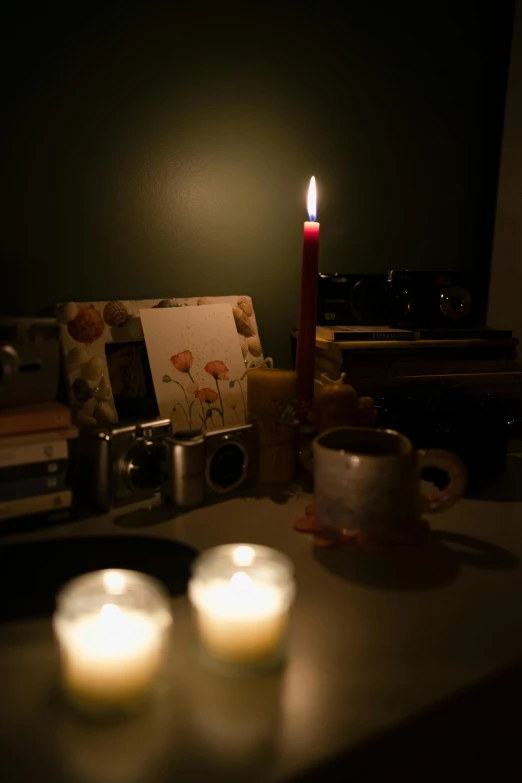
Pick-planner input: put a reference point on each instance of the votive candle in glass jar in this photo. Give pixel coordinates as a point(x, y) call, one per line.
point(242, 594)
point(113, 629)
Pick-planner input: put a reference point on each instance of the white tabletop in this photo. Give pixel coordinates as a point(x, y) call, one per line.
point(376, 640)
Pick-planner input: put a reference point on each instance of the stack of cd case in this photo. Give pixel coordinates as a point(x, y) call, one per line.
point(35, 474)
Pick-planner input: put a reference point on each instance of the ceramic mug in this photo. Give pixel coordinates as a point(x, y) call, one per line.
point(369, 480)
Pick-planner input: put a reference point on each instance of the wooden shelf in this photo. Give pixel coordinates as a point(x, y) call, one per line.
point(383, 345)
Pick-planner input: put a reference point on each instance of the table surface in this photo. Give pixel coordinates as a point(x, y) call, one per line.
point(412, 650)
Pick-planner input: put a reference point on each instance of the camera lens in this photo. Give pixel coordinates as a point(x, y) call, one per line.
point(226, 467)
point(144, 465)
point(371, 302)
point(455, 302)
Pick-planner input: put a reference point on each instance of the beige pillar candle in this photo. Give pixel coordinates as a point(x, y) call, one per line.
point(272, 395)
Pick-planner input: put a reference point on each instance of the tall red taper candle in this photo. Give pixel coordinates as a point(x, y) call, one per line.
point(305, 360)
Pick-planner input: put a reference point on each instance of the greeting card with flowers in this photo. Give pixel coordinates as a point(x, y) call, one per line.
point(196, 364)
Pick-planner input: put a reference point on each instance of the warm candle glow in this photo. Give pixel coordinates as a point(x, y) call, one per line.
point(242, 615)
point(109, 614)
point(312, 200)
point(112, 628)
point(240, 582)
point(243, 556)
point(114, 581)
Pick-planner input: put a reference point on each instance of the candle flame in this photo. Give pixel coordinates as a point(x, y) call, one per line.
point(243, 556)
point(114, 582)
point(109, 613)
point(312, 200)
point(240, 581)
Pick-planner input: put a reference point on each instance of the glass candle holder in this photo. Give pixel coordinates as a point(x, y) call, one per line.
point(113, 629)
point(241, 595)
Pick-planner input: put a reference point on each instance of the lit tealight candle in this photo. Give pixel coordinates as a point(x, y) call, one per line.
point(242, 596)
point(112, 627)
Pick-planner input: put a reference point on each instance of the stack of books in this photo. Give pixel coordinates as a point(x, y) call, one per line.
point(35, 461)
point(376, 357)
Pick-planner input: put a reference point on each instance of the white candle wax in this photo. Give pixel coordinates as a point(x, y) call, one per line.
point(110, 658)
point(241, 620)
point(113, 629)
point(241, 594)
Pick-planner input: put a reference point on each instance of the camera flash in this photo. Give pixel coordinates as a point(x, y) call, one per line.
point(243, 556)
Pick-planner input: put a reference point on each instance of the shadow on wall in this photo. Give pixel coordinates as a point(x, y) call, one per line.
point(506, 271)
point(167, 151)
point(505, 299)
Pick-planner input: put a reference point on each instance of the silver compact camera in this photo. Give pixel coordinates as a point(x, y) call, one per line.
point(122, 463)
point(202, 466)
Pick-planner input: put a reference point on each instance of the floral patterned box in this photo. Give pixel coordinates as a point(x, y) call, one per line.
point(106, 364)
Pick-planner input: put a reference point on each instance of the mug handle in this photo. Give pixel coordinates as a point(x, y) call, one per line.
point(458, 478)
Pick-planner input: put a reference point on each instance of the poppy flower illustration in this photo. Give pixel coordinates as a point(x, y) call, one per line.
point(182, 361)
point(206, 395)
point(231, 400)
point(218, 370)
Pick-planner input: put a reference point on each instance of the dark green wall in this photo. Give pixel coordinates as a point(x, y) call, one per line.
point(154, 149)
